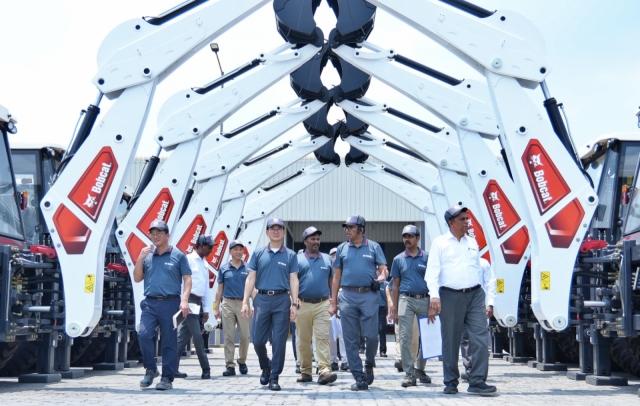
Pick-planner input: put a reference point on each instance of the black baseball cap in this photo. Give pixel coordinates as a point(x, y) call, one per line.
point(234, 243)
point(206, 239)
point(159, 225)
point(275, 221)
point(310, 231)
point(411, 230)
point(355, 220)
point(453, 211)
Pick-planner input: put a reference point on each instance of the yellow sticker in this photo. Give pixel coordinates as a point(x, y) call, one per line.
point(89, 283)
point(500, 287)
point(545, 280)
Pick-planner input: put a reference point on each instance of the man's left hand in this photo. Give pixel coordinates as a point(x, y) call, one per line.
point(489, 311)
point(184, 306)
point(205, 317)
point(293, 313)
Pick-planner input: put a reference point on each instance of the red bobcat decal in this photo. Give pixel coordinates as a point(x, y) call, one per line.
point(475, 230)
point(188, 241)
point(215, 258)
point(546, 182)
point(89, 194)
point(160, 209)
point(73, 233)
point(134, 246)
point(503, 215)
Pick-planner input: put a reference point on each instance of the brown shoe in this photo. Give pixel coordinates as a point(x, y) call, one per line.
point(327, 377)
point(304, 378)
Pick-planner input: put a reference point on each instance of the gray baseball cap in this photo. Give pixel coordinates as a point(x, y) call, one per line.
point(355, 220)
point(453, 211)
point(206, 239)
point(411, 230)
point(159, 225)
point(310, 231)
point(275, 221)
point(234, 243)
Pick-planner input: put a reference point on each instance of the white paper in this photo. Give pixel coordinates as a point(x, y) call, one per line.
point(336, 326)
point(430, 337)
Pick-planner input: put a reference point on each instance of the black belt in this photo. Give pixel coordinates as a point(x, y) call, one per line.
point(272, 292)
point(313, 301)
point(161, 297)
point(359, 290)
point(461, 290)
point(415, 296)
point(232, 298)
point(192, 296)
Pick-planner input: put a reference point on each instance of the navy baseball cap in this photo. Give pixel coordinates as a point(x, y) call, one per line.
point(411, 230)
point(206, 239)
point(159, 225)
point(310, 231)
point(234, 243)
point(453, 211)
point(333, 250)
point(355, 220)
point(275, 221)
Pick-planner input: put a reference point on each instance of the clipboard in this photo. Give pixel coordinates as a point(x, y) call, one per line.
point(178, 318)
point(430, 337)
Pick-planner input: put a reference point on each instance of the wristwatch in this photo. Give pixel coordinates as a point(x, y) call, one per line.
point(297, 306)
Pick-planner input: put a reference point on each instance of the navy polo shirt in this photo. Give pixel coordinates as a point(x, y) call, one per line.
point(163, 273)
point(314, 274)
point(273, 268)
point(359, 264)
point(233, 280)
point(411, 272)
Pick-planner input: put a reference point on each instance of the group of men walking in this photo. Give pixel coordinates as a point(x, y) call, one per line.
point(311, 287)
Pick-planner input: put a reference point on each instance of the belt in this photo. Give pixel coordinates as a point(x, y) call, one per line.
point(232, 298)
point(161, 297)
point(461, 290)
point(313, 301)
point(192, 296)
point(415, 296)
point(359, 290)
point(272, 292)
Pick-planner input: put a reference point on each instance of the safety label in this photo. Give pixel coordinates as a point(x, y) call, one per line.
point(545, 280)
point(89, 283)
point(500, 286)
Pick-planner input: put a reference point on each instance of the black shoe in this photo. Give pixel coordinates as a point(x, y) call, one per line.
point(409, 380)
point(360, 384)
point(149, 376)
point(450, 389)
point(327, 377)
point(334, 366)
point(164, 384)
point(273, 385)
point(243, 368)
point(398, 365)
point(298, 369)
point(383, 354)
point(481, 389)
point(179, 375)
point(464, 376)
point(368, 374)
point(264, 377)
point(206, 374)
point(231, 371)
point(422, 377)
point(344, 366)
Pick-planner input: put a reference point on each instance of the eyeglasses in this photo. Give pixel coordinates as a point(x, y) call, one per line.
point(158, 234)
point(276, 230)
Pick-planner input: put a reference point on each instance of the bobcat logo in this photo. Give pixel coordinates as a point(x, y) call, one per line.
point(493, 196)
point(91, 202)
point(535, 160)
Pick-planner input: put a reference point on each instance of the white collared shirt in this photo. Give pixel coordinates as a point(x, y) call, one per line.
point(199, 279)
point(488, 281)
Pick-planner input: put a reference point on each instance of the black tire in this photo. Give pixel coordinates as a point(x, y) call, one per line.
point(6, 352)
point(568, 351)
point(133, 349)
point(93, 351)
point(625, 353)
point(23, 360)
point(80, 345)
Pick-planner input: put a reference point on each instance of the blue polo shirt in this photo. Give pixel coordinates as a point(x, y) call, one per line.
point(382, 294)
point(359, 264)
point(232, 280)
point(314, 274)
point(273, 268)
point(163, 273)
point(411, 272)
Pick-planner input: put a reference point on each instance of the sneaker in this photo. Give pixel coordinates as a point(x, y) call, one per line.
point(450, 389)
point(422, 377)
point(206, 374)
point(360, 384)
point(149, 376)
point(230, 371)
point(409, 380)
point(298, 369)
point(304, 378)
point(243, 368)
point(164, 384)
point(179, 375)
point(464, 376)
point(368, 374)
point(327, 377)
point(481, 389)
point(398, 365)
point(344, 366)
point(264, 377)
point(273, 385)
point(334, 366)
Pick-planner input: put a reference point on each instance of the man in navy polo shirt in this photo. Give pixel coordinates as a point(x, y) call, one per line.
point(315, 275)
point(409, 286)
point(359, 268)
point(273, 271)
point(163, 272)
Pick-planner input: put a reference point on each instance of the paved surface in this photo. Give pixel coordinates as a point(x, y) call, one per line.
point(517, 385)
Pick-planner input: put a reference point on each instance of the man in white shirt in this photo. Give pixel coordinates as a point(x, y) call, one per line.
point(455, 278)
point(200, 296)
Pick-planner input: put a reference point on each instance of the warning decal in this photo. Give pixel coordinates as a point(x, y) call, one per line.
point(500, 286)
point(545, 280)
point(89, 283)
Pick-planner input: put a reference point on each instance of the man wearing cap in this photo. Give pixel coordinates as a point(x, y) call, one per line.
point(414, 341)
point(199, 296)
point(273, 271)
point(410, 301)
point(359, 268)
point(333, 342)
point(315, 275)
point(231, 280)
point(455, 278)
point(163, 272)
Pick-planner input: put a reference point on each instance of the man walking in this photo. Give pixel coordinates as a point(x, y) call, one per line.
point(359, 268)
point(274, 272)
point(231, 280)
point(315, 275)
point(163, 272)
point(454, 277)
point(410, 301)
point(199, 296)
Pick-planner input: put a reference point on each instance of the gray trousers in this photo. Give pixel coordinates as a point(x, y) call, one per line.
point(466, 354)
point(409, 308)
point(359, 316)
point(188, 329)
point(463, 310)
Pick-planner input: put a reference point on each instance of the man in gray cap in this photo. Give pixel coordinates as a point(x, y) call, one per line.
point(315, 275)
point(455, 277)
point(163, 270)
point(410, 301)
point(231, 280)
point(273, 270)
point(359, 268)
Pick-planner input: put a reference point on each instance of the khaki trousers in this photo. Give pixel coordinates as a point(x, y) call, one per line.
point(313, 318)
point(232, 317)
point(414, 340)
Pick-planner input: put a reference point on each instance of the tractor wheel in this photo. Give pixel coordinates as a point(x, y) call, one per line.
point(625, 352)
point(6, 351)
point(23, 359)
point(94, 350)
point(568, 351)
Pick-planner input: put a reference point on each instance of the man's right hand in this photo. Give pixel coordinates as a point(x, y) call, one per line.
point(216, 314)
point(245, 311)
point(333, 309)
point(435, 304)
point(145, 251)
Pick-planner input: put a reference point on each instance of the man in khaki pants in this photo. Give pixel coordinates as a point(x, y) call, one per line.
point(231, 279)
point(315, 274)
point(415, 345)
